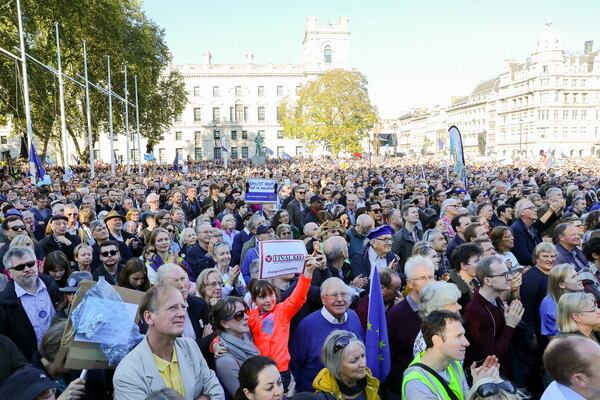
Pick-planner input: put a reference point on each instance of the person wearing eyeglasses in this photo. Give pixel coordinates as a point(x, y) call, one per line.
point(28, 302)
point(578, 314)
point(229, 319)
point(490, 323)
point(297, 207)
point(14, 226)
point(438, 373)
point(345, 374)
point(449, 210)
point(305, 348)
point(29, 384)
point(111, 267)
point(404, 321)
point(72, 214)
point(495, 389)
point(378, 252)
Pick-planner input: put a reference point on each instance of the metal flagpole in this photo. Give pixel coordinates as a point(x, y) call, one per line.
point(88, 113)
point(61, 95)
point(127, 122)
point(137, 123)
point(110, 123)
point(25, 88)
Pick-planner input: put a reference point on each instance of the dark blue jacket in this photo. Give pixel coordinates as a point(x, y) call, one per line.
point(525, 242)
point(362, 265)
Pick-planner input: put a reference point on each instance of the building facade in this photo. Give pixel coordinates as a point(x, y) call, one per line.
point(548, 103)
point(232, 104)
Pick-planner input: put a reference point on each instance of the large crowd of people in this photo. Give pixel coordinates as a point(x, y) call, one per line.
point(490, 283)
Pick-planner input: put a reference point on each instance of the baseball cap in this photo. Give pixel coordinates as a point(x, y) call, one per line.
point(26, 384)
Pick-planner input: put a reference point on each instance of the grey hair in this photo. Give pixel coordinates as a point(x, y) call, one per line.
point(332, 359)
point(413, 262)
point(96, 224)
point(255, 221)
point(198, 226)
point(151, 196)
point(71, 206)
point(254, 268)
point(17, 252)
point(445, 204)
point(163, 270)
point(436, 295)
point(330, 281)
point(552, 191)
point(429, 235)
point(520, 206)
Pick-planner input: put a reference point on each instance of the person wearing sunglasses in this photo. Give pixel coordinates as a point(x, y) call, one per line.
point(230, 320)
point(28, 302)
point(111, 267)
point(495, 389)
point(438, 372)
point(345, 374)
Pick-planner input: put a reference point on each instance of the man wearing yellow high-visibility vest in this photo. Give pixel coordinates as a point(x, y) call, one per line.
point(437, 373)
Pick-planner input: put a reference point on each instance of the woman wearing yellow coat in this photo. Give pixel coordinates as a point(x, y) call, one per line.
point(345, 375)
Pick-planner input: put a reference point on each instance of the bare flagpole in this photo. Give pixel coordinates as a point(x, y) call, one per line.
point(25, 88)
point(110, 123)
point(137, 123)
point(88, 113)
point(127, 122)
point(61, 95)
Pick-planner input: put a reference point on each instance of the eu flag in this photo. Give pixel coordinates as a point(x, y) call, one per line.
point(269, 151)
point(176, 162)
point(34, 159)
point(377, 343)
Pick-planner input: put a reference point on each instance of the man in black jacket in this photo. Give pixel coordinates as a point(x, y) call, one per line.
point(27, 303)
point(59, 238)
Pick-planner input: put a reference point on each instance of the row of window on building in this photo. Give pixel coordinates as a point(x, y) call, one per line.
point(237, 91)
point(237, 113)
point(234, 153)
point(233, 135)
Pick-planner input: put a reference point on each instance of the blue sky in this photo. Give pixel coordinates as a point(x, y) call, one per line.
point(414, 53)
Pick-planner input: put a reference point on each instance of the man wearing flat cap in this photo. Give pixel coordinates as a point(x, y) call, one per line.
point(378, 252)
point(59, 238)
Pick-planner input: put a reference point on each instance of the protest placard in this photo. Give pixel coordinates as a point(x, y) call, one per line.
point(261, 191)
point(281, 257)
point(83, 354)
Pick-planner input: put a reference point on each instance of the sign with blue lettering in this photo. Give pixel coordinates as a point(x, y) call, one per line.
point(263, 191)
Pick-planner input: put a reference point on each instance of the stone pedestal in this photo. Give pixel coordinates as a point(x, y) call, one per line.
point(258, 159)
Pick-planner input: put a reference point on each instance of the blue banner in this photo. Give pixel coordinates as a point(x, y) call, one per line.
point(457, 153)
point(377, 345)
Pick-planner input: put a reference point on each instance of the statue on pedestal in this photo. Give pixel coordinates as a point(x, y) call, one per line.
point(259, 148)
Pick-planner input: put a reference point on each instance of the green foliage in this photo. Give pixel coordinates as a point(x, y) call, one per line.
point(115, 28)
point(332, 110)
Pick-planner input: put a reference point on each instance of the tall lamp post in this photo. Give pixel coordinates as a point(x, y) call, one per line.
point(217, 142)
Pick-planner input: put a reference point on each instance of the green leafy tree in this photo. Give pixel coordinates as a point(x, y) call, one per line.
point(115, 28)
point(426, 144)
point(333, 110)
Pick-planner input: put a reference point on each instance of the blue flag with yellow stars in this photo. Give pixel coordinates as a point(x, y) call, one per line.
point(377, 343)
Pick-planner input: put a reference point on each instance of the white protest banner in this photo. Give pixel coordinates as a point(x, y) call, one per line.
point(261, 191)
point(281, 257)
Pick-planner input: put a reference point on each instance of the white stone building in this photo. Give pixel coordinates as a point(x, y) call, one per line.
point(237, 102)
point(549, 102)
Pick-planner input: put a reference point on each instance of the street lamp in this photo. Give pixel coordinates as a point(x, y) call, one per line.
point(215, 152)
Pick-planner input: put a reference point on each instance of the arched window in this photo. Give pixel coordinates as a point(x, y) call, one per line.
point(327, 54)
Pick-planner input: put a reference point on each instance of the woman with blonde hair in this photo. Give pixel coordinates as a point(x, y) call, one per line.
point(579, 314)
point(562, 279)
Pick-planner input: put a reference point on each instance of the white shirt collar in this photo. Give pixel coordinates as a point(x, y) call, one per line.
point(330, 318)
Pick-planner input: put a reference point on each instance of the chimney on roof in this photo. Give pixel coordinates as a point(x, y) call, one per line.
point(249, 57)
point(207, 58)
point(588, 47)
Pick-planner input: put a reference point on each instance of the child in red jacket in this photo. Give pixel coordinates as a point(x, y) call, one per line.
point(270, 321)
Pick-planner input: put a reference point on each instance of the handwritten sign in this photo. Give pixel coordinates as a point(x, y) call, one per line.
point(261, 191)
point(281, 257)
